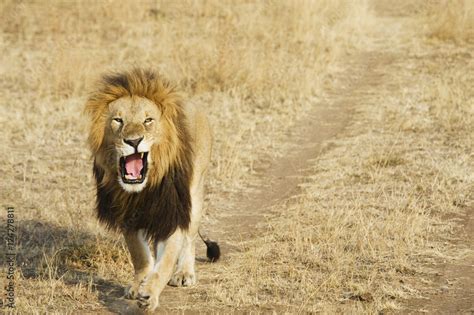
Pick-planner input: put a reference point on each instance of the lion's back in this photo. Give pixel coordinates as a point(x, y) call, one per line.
point(200, 132)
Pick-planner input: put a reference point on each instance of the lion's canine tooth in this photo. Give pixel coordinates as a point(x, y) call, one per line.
point(141, 154)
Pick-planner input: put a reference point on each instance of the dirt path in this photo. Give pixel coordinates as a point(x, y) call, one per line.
point(280, 179)
point(452, 282)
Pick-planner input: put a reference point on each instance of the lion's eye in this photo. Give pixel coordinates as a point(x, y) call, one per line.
point(148, 120)
point(119, 120)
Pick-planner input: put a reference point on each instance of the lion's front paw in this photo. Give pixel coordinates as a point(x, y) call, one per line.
point(184, 279)
point(147, 298)
point(131, 292)
point(148, 303)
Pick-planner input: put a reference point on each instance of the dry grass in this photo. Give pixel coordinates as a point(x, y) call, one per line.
point(254, 66)
point(367, 219)
point(450, 20)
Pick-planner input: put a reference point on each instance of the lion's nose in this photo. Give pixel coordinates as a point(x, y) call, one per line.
point(133, 142)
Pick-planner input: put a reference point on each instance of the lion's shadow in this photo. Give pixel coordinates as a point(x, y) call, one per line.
point(46, 251)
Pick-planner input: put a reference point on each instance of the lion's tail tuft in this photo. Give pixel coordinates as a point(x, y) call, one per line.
point(213, 252)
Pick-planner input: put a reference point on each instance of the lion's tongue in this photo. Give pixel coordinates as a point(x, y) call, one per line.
point(134, 164)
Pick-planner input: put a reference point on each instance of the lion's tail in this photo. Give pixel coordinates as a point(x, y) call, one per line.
point(213, 250)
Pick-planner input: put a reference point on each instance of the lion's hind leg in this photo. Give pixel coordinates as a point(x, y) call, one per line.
point(185, 274)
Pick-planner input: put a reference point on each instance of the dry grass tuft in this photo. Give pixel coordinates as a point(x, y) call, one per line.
point(452, 103)
point(450, 20)
point(386, 159)
point(91, 256)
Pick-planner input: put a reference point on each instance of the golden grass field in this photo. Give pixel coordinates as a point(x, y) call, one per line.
point(380, 207)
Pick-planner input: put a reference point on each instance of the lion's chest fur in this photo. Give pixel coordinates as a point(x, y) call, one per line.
point(158, 210)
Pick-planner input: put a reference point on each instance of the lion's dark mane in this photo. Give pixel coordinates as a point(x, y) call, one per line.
point(159, 210)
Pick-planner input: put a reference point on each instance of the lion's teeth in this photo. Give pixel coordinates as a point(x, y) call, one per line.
point(141, 154)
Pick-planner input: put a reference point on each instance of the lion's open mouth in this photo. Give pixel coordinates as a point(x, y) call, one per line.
point(133, 168)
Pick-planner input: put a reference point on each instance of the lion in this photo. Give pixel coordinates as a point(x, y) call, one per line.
point(151, 154)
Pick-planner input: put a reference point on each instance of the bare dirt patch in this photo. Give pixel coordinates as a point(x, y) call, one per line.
point(452, 282)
